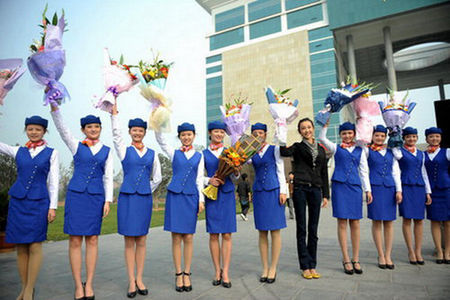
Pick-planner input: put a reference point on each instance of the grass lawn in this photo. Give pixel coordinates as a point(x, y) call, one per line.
point(55, 229)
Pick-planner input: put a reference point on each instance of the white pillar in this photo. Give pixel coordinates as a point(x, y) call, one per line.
point(392, 79)
point(347, 113)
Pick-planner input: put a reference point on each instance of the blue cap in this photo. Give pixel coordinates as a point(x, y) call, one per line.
point(137, 123)
point(186, 127)
point(432, 130)
point(89, 119)
point(259, 126)
point(346, 126)
point(380, 128)
point(408, 130)
point(36, 120)
point(217, 125)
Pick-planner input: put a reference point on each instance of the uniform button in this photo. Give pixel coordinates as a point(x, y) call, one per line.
point(35, 167)
point(27, 187)
point(87, 181)
point(34, 172)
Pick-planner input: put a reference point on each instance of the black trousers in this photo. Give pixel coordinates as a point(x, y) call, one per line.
point(310, 196)
point(245, 206)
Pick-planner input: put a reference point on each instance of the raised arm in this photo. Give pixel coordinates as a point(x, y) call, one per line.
point(280, 169)
point(8, 150)
point(324, 140)
point(396, 173)
point(156, 174)
point(53, 180)
point(165, 147)
point(64, 132)
point(119, 145)
point(108, 178)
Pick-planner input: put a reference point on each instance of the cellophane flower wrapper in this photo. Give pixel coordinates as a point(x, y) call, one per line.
point(365, 109)
point(154, 92)
point(396, 111)
point(237, 121)
point(283, 111)
point(336, 99)
point(47, 66)
point(233, 157)
point(117, 79)
point(10, 72)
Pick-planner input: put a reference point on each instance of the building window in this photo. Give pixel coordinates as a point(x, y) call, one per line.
point(214, 58)
point(213, 69)
point(304, 16)
point(265, 27)
point(226, 39)
point(263, 8)
point(230, 18)
point(290, 4)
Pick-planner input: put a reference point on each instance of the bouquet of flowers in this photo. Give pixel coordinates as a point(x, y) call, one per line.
point(48, 60)
point(232, 158)
point(117, 78)
point(10, 72)
point(396, 112)
point(235, 114)
point(337, 98)
point(365, 108)
point(153, 77)
point(282, 109)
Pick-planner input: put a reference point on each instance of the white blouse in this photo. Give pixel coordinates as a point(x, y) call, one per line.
point(363, 168)
point(395, 169)
point(398, 155)
point(121, 150)
point(72, 143)
point(53, 174)
point(170, 151)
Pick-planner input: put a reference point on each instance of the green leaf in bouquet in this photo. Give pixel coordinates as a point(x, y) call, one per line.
point(42, 26)
point(45, 11)
point(47, 21)
point(33, 48)
point(121, 60)
point(55, 19)
point(285, 91)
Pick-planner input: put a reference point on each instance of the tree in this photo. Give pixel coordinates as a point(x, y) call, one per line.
point(65, 173)
point(8, 175)
point(166, 172)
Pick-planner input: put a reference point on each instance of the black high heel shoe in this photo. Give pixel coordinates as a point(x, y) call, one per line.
point(272, 280)
point(187, 288)
point(178, 288)
point(348, 272)
point(143, 292)
point(81, 298)
point(217, 282)
point(357, 271)
point(131, 294)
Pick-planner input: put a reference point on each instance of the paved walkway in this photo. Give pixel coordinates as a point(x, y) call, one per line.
point(430, 281)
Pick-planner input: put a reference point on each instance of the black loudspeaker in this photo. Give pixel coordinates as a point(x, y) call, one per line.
point(442, 111)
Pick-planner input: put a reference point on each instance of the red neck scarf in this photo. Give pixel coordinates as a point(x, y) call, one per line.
point(214, 147)
point(432, 149)
point(411, 149)
point(33, 145)
point(138, 145)
point(376, 147)
point(186, 148)
point(347, 145)
point(89, 142)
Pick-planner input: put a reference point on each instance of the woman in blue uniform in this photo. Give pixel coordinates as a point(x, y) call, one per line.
point(184, 200)
point(437, 164)
point(142, 175)
point(386, 194)
point(220, 213)
point(349, 179)
point(33, 200)
point(89, 193)
point(268, 202)
point(416, 192)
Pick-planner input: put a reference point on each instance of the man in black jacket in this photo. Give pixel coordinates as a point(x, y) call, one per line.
point(245, 196)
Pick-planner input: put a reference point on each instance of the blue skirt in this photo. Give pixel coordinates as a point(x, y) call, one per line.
point(439, 210)
point(221, 213)
point(413, 204)
point(267, 210)
point(180, 215)
point(27, 220)
point(383, 206)
point(346, 200)
point(83, 213)
point(134, 213)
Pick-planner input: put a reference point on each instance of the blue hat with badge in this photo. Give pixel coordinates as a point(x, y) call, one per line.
point(380, 128)
point(216, 125)
point(259, 126)
point(186, 127)
point(89, 119)
point(346, 126)
point(36, 120)
point(138, 122)
point(433, 130)
point(408, 130)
